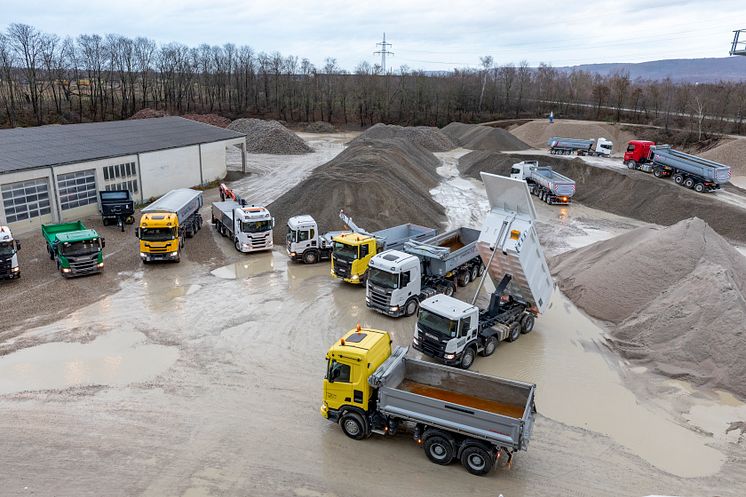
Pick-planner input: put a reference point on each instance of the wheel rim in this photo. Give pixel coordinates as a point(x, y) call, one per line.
point(468, 359)
point(529, 324)
point(352, 427)
point(490, 347)
point(411, 308)
point(474, 273)
point(438, 451)
point(467, 279)
point(449, 290)
point(477, 462)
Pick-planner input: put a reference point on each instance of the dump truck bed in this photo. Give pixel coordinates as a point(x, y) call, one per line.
point(710, 170)
point(445, 252)
point(395, 237)
point(494, 409)
point(183, 202)
point(569, 143)
point(50, 231)
point(553, 181)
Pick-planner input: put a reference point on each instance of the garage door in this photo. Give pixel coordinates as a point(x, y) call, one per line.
point(26, 199)
point(77, 189)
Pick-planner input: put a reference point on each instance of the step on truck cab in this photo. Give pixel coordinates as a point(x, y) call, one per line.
point(455, 332)
point(305, 244)
point(351, 252)
point(9, 247)
point(76, 249)
point(398, 280)
point(167, 222)
point(370, 388)
point(249, 227)
point(549, 185)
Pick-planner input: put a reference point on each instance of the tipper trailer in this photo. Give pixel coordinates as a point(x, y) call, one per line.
point(9, 247)
point(167, 222)
point(566, 146)
point(477, 419)
point(701, 175)
point(351, 252)
point(398, 280)
point(76, 249)
point(116, 207)
point(248, 226)
point(455, 332)
point(547, 184)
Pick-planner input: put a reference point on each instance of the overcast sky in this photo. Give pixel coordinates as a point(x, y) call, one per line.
point(425, 34)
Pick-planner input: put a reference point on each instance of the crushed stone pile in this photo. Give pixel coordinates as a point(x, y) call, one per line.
point(380, 183)
point(269, 137)
point(476, 137)
point(431, 138)
point(626, 193)
point(731, 153)
point(537, 133)
point(675, 298)
point(320, 127)
point(213, 119)
point(148, 113)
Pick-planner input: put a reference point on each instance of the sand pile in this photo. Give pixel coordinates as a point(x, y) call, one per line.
point(475, 137)
point(320, 127)
point(269, 137)
point(380, 183)
point(731, 153)
point(148, 113)
point(432, 139)
point(473, 163)
point(213, 119)
point(676, 298)
point(537, 133)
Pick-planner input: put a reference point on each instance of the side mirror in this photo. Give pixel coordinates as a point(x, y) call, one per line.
point(273, 222)
point(103, 242)
point(333, 375)
point(137, 232)
point(18, 245)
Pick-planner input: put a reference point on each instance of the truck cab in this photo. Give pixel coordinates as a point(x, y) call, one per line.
point(445, 328)
point(9, 268)
point(253, 228)
point(351, 254)
point(159, 237)
point(394, 283)
point(303, 240)
point(637, 152)
point(604, 147)
point(349, 364)
point(522, 170)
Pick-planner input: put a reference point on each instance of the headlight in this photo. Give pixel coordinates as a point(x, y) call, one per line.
point(66, 269)
point(367, 300)
point(174, 254)
point(355, 277)
point(394, 308)
point(416, 340)
point(292, 254)
point(15, 269)
point(143, 254)
point(100, 264)
point(450, 356)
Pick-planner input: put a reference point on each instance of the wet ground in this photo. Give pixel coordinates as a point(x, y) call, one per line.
point(204, 378)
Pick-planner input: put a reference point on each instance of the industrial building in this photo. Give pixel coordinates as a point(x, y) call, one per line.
point(54, 173)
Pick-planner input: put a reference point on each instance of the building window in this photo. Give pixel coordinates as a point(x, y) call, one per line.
point(121, 177)
point(26, 199)
point(77, 189)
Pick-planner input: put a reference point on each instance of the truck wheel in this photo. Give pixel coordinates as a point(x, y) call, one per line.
point(237, 244)
point(439, 449)
point(464, 278)
point(130, 220)
point(467, 359)
point(474, 272)
point(410, 309)
point(632, 164)
point(678, 178)
point(490, 345)
point(449, 289)
point(658, 172)
point(477, 460)
point(527, 324)
point(689, 182)
point(481, 269)
point(699, 188)
point(352, 425)
point(51, 254)
point(310, 257)
point(514, 332)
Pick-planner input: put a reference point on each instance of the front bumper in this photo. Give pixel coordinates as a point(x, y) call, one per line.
point(165, 256)
point(392, 311)
point(330, 414)
point(10, 274)
point(447, 359)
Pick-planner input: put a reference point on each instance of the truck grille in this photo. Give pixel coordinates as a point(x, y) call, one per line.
point(378, 298)
point(83, 264)
point(261, 241)
point(5, 266)
point(429, 343)
point(341, 268)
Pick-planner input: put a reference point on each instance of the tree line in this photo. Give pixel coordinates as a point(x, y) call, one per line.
point(48, 79)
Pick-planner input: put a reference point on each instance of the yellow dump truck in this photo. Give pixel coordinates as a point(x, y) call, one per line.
point(167, 222)
point(352, 251)
point(477, 419)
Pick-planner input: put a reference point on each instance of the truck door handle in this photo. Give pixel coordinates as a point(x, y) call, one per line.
point(347, 399)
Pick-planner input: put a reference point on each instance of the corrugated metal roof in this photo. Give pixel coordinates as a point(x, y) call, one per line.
point(28, 148)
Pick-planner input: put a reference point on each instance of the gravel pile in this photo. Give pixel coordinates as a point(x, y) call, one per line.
point(269, 137)
point(430, 138)
point(380, 183)
point(676, 298)
point(537, 133)
point(731, 153)
point(213, 119)
point(148, 113)
point(320, 127)
point(626, 193)
point(475, 137)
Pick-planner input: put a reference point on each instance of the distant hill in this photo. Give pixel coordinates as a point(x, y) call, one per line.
point(708, 70)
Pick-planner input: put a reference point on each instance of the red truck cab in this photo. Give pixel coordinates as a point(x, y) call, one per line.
point(638, 151)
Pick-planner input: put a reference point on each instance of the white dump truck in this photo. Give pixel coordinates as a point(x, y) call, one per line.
point(453, 331)
point(547, 184)
point(248, 226)
point(398, 280)
point(305, 243)
point(600, 147)
point(9, 247)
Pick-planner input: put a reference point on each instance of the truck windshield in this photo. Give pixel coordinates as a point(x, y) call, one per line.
point(383, 278)
point(344, 251)
point(84, 247)
point(7, 248)
point(515, 170)
point(256, 226)
point(292, 235)
point(437, 324)
point(630, 148)
point(157, 234)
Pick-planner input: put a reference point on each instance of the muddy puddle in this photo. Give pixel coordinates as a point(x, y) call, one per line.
point(116, 358)
point(464, 199)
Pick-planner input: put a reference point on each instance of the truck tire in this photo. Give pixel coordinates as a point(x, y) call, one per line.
point(310, 257)
point(410, 308)
point(678, 178)
point(477, 460)
point(353, 425)
point(449, 289)
point(464, 278)
point(474, 272)
point(439, 449)
point(490, 345)
point(689, 182)
point(467, 359)
point(631, 164)
point(51, 253)
point(514, 332)
point(481, 270)
point(237, 244)
point(658, 172)
point(699, 187)
point(527, 323)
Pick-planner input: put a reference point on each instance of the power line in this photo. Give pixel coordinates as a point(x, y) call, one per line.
point(383, 52)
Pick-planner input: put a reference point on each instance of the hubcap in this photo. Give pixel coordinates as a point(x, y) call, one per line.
point(352, 427)
point(438, 451)
point(476, 462)
point(490, 347)
point(468, 359)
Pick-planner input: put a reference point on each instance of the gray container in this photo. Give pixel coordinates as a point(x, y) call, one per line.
point(443, 253)
point(184, 202)
point(706, 169)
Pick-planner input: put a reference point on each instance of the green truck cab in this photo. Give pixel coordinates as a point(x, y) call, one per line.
point(76, 249)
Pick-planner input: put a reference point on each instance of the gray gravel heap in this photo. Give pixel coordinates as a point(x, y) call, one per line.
point(269, 137)
point(432, 139)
